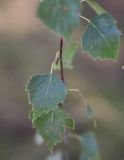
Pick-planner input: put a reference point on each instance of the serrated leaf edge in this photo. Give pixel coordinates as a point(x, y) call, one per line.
point(60, 135)
point(98, 57)
point(28, 94)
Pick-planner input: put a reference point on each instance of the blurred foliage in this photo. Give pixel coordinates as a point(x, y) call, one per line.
point(89, 147)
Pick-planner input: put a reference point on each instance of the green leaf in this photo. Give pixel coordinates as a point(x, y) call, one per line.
point(59, 15)
point(51, 126)
point(68, 55)
point(101, 37)
point(89, 147)
point(45, 92)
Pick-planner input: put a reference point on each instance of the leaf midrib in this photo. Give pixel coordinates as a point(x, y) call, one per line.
point(102, 35)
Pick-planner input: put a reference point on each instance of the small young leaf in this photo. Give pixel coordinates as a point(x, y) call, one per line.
point(68, 55)
point(59, 15)
point(88, 112)
point(89, 147)
point(51, 126)
point(101, 37)
point(45, 92)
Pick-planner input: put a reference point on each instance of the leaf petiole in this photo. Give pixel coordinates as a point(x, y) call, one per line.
point(86, 19)
point(80, 94)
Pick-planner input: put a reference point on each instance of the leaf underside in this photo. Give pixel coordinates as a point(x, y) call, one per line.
point(101, 37)
point(59, 15)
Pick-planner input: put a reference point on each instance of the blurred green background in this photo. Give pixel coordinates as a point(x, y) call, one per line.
point(26, 48)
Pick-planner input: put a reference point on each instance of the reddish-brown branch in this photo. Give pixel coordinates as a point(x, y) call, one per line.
point(61, 59)
point(65, 155)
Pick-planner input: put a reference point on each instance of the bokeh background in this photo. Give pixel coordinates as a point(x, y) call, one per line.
point(26, 48)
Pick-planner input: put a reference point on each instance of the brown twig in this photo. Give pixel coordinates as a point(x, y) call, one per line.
point(65, 156)
point(61, 59)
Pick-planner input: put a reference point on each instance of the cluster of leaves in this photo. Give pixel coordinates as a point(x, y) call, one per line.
point(47, 92)
point(101, 36)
